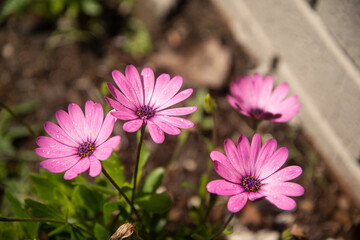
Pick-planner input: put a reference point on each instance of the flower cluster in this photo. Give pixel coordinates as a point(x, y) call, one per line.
point(81, 141)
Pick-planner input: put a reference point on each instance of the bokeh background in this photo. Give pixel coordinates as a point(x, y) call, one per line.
point(56, 52)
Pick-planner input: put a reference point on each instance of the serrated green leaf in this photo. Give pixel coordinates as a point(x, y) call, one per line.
point(100, 232)
point(155, 203)
point(30, 228)
point(153, 180)
point(40, 210)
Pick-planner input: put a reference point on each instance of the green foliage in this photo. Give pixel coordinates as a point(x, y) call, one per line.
point(138, 39)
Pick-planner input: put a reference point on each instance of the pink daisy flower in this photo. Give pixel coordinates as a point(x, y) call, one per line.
point(252, 172)
point(79, 143)
point(144, 101)
point(253, 97)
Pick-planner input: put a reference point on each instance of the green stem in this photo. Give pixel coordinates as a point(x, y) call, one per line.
point(142, 133)
point(256, 124)
point(133, 209)
point(223, 227)
point(18, 119)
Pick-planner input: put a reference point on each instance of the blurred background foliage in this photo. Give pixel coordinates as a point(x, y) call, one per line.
point(82, 21)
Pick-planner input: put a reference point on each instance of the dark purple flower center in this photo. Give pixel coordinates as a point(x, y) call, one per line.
point(251, 184)
point(145, 112)
point(256, 112)
point(86, 149)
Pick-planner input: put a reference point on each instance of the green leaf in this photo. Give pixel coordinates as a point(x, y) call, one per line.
point(156, 203)
point(153, 180)
point(40, 210)
point(11, 7)
point(202, 188)
point(100, 232)
point(110, 207)
point(51, 188)
point(56, 7)
point(9, 231)
point(91, 8)
point(87, 200)
point(30, 228)
point(115, 169)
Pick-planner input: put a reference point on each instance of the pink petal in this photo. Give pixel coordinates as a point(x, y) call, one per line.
point(104, 151)
point(243, 149)
point(57, 165)
point(125, 114)
point(133, 77)
point(224, 188)
point(265, 91)
point(59, 134)
point(235, 103)
point(95, 167)
point(254, 151)
point(148, 79)
point(232, 154)
point(133, 125)
point(288, 114)
point(285, 174)
point(125, 87)
point(177, 122)
point(94, 116)
point(48, 142)
point(181, 96)
point(106, 128)
point(120, 98)
point(266, 151)
point(156, 133)
point(281, 201)
point(227, 171)
point(82, 166)
point(67, 125)
point(169, 91)
point(165, 126)
point(279, 93)
point(274, 163)
point(284, 188)
point(237, 202)
point(160, 84)
point(112, 142)
point(252, 196)
point(218, 156)
point(58, 152)
point(178, 111)
point(78, 119)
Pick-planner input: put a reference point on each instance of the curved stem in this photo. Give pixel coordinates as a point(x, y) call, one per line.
point(18, 119)
point(223, 227)
point(142, 133)
point(133, 209)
